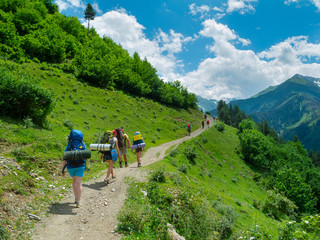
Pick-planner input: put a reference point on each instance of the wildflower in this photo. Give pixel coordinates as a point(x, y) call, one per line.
point(307, 222)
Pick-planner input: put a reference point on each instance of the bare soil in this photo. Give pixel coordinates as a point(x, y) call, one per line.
point(100, 203)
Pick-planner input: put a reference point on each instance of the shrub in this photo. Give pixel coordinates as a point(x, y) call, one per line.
point(174, 153)
point(28, 122)
point(257, 148)
point(220, 127)
point(190, 154)
point(292, 185)
point(183, 168)
point(277, 205)
point(158, 176)
point(20, 97)
point(67, 123)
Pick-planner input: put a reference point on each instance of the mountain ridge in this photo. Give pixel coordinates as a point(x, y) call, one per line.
point(291, 108)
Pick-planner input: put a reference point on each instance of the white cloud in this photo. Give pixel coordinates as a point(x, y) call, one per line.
point(234, 73)
point(242, 6)
point(66, 4)
point(96, 8)
point(315, 2)
point(125, 30)
point(203, 10)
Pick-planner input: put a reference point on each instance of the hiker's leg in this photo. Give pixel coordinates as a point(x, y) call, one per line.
point(140, 154)
point(125, 159)
point(77, 186)
point(110, 168)
point(120, 156)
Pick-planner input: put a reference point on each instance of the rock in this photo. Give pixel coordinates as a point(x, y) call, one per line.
point(33, 217)
point(173, 234)
point(105, 203)
point(113, 190)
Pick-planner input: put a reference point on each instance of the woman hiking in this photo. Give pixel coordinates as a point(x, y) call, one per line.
point(107, 156)
point(75, 167)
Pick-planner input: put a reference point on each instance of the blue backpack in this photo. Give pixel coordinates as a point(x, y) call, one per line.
point(75, 143)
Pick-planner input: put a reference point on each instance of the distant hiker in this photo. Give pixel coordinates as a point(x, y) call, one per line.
point(208, 123)
point(138, 145)
point(76, 166)
point(123, 144)
point(205, 116)
point(189, 129)
point(202, 124)
point(109, 137)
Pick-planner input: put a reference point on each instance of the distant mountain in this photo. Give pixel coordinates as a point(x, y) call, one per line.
point(206, 105)
point(291, 108)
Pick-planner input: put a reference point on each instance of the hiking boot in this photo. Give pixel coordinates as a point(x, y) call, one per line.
point(77, 204)
point(139, 164)
point(126, 164)
point(106, 180)
point(120, 164)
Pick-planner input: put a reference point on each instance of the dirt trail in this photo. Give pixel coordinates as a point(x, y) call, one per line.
point(96, 218)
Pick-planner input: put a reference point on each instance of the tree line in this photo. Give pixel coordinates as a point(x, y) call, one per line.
point(287, 168)
point(34, 30)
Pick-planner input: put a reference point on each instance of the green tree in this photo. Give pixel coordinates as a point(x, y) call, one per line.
point(89, 14)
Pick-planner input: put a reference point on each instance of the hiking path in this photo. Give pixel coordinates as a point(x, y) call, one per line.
point(100, 203)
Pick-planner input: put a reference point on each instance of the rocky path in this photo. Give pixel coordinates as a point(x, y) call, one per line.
point(100, 203)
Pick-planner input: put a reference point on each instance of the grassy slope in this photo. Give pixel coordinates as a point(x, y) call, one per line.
point(39, 150)
point(219, 175)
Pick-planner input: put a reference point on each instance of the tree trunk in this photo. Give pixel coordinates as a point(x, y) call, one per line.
point(88, 27)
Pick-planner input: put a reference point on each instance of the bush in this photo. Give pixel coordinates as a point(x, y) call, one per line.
point(190, 154)
point(69, 124)
point(277, 205)
point(158, 176)
point(183, 168)
point(257, 148)
point(220, 127)
point(21, 98)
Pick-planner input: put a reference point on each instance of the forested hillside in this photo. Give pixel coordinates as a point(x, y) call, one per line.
point(291, 108)
point(34, 30)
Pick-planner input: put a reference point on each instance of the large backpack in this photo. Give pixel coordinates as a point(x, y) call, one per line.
point(75, 143)
point(106, 137)
point(120, 137)
point(137, 138)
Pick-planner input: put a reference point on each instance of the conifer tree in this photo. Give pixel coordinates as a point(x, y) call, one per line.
point(89, 14)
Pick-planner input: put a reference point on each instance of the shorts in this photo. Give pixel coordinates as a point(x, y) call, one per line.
point(123, 151)
point(107, 156)
point(78, 171)
point(139, 149)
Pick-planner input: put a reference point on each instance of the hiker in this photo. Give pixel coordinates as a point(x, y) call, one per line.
point(75, 167)
point(202, 124)
point(205, 116)
point(138, 145)
point(123, 144)
point(189, 129)
point(208, 123)
point(108, 155)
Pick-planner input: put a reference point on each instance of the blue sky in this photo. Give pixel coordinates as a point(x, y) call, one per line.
point(218, 49)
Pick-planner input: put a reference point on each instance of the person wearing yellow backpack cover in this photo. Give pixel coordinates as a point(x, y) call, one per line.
point(138, 145)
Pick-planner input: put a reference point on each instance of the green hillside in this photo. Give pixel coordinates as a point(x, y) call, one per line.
point(206, 191)
point(291, 108)
point(32, 155)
